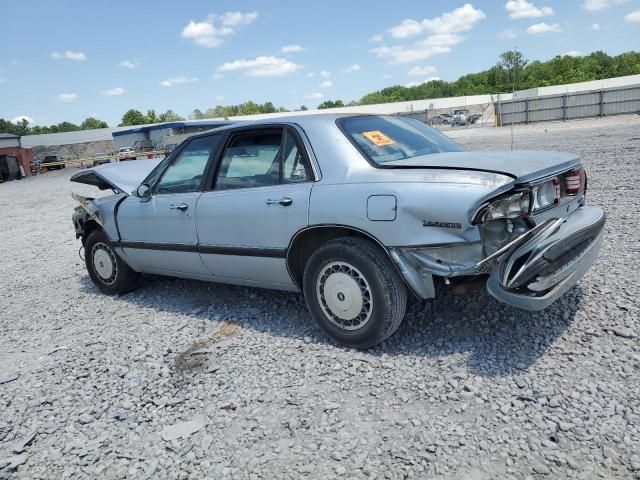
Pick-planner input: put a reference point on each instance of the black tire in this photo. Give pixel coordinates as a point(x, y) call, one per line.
point(121, 278)
point(382, 293)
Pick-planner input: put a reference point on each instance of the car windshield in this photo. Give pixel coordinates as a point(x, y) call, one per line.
point(385, 139)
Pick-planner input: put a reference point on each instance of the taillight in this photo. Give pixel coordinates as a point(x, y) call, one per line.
point(575, 181)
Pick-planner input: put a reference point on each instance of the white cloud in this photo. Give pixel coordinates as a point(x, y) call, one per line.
point(314, 96)
point(69, 55)
point(211, 32)
point(406, 28)
point(523, 9)
point(262, 67)
point(326, 84)
point(633, 16)
point(352, 68)
point(595, 27)
point(508, 34)
point(461, 19)
point(113, 92)
point(217, 76)
point(310, 75)
point(220, 98)
point(432, 45)
point(597, 5)
point(423, 71)
point(542, 27)
point(572, 53)
point(19, 119)
point(376, 38)
point(67, 97)
point(233, 19)
point(292, 48)
point(325, 74)
point(170, 82)
point(128, 64)
point(442, 34)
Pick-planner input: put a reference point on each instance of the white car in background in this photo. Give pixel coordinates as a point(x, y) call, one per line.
point(126, 153)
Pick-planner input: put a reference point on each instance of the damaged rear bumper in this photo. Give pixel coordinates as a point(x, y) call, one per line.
point(530, 273)
point(533, 274)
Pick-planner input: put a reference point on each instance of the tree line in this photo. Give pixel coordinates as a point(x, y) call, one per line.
point(512, 70)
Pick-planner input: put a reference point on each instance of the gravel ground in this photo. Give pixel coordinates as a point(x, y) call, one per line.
point(182, 379)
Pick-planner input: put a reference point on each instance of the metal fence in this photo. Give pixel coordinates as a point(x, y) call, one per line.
point(569, 106)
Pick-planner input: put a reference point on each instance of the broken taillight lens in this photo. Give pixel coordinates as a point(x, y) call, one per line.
point(575, 181)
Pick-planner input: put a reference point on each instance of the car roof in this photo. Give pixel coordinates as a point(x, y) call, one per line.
point(303, 120)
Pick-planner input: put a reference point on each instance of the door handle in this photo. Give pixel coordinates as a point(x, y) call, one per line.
point(285, 202)
point(182, 207)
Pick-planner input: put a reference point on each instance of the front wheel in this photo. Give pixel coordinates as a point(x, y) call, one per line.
point(106, 269)
point(354, 292)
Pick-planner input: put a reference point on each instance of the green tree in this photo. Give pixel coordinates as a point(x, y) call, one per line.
point(303, 108)
point(152, 117)
point(133, 117)
point(330, 104)
point(513, 62)
point(197, 115)
point(169, 116)
point(93, 123)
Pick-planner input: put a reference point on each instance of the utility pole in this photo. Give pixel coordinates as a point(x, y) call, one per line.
point(513, 95)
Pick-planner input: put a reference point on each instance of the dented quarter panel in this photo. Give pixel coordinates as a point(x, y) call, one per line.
point(433, 196)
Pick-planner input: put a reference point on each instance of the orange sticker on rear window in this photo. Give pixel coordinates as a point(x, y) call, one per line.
point(378, 138)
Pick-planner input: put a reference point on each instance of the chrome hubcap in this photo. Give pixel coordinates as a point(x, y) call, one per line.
point(345, 296)
point(104, 263)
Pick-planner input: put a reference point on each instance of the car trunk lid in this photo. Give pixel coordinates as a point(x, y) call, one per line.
point(122, 177)
point(523, 165)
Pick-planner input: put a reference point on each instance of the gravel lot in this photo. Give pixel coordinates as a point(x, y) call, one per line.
point(182, 379)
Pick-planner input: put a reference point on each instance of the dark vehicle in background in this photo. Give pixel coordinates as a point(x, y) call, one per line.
point(55, 160)
point(441, 119)
point(9, 168)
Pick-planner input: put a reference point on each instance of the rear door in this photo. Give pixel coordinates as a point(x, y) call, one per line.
point(259, 199)
point(159, 233)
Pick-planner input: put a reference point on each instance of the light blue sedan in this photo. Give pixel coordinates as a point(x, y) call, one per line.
point(354, 211)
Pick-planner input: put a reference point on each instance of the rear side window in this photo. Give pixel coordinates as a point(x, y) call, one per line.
point(251, 160)
point(262, 158)
point(385, 139)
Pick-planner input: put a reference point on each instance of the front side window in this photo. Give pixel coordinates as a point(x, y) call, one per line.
point(185, 174)
point(385, 139)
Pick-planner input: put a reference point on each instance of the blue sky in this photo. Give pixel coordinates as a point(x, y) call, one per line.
point(67, 60)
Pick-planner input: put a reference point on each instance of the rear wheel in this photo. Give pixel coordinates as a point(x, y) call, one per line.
point(354, 292)
point(106, 269)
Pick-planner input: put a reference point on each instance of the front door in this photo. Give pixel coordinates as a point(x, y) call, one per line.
point(158, 233)
point(259, 200)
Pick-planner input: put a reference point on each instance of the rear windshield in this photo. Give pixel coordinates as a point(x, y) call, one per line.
point(385, 139)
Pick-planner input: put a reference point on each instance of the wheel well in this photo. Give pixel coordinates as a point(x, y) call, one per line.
point(308, 241)
point(88, 228)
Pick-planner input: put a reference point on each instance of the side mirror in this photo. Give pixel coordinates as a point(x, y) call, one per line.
point(143, 191)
